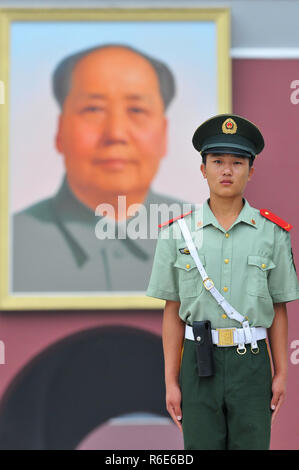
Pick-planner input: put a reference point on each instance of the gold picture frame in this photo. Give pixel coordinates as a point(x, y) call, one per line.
point(220, 17)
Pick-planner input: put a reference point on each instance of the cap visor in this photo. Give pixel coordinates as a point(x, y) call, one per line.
point(223, 150)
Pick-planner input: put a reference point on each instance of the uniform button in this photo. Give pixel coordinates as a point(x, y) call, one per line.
point(253, 221)
point(187, 266)
point(198, 338)
point(224, 316)
point(225, 289)
point(226, 260)
point(264, 266)
point(227, 235)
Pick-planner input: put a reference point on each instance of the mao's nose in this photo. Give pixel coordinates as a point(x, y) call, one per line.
point(115, 127)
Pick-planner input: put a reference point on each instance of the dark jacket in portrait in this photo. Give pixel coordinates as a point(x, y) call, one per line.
point(55, 249)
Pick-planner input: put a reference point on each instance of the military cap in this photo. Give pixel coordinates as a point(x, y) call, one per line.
point(228, 133)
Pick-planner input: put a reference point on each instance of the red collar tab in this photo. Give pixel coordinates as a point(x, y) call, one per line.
point(277, 220)
point(169, 222)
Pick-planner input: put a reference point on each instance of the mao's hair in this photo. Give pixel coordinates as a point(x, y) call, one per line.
point(61, 79)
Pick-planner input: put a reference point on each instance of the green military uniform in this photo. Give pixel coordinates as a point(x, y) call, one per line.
point(251, 264)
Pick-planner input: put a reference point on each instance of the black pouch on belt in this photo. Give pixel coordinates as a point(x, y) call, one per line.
point(204, 347)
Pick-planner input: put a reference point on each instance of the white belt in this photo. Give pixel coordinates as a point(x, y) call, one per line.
point(231, 336)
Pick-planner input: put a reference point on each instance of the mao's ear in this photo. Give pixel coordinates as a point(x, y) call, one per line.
point(58, 144)
point(165, 143)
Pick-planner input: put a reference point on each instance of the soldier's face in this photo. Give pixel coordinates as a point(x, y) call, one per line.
point(112, 131)
point(227, 167)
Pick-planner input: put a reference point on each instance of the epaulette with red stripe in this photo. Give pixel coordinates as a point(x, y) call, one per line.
point(277, 220)
point(169, 222)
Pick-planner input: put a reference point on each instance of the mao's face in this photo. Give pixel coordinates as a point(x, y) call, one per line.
point(112, 131)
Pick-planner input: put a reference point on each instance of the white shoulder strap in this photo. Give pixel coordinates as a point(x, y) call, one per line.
point(208, 283)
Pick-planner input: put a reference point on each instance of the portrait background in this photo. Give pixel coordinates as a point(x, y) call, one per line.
point(189, 49)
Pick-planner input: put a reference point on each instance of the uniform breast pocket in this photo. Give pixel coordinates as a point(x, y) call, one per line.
point(190, 281)
point(258, 270)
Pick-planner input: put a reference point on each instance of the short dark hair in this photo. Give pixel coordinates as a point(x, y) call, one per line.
point(61, 78)
point(204, 159)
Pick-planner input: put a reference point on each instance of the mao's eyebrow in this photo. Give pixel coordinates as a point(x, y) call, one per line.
point(129, 97)
point(135, 97)
point(98, 96)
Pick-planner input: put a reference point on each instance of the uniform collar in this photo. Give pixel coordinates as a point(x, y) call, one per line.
point(77, 224)
point(247, 215)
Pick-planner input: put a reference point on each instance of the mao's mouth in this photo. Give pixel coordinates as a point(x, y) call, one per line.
point(112, 162)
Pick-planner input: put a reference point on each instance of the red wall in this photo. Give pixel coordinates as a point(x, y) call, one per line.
point(261, 92)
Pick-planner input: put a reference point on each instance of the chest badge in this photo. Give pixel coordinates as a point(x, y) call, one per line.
point(184, 251)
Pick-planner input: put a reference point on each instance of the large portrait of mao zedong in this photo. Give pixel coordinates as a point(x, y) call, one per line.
point(100, 108)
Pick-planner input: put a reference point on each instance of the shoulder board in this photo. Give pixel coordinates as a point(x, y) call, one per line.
point(169, 222)
point(277, 220)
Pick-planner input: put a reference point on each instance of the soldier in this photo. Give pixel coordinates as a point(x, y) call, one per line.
point(226, 285)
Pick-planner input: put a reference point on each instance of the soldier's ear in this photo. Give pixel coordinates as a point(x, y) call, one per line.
point(203, 170)
point(251, 171)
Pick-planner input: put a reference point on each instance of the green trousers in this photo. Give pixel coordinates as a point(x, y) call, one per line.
point(231, 409)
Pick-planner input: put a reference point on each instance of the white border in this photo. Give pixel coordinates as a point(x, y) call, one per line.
point(264, 53)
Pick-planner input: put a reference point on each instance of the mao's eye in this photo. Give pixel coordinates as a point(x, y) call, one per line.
point(91, 109)
point(137, 110)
